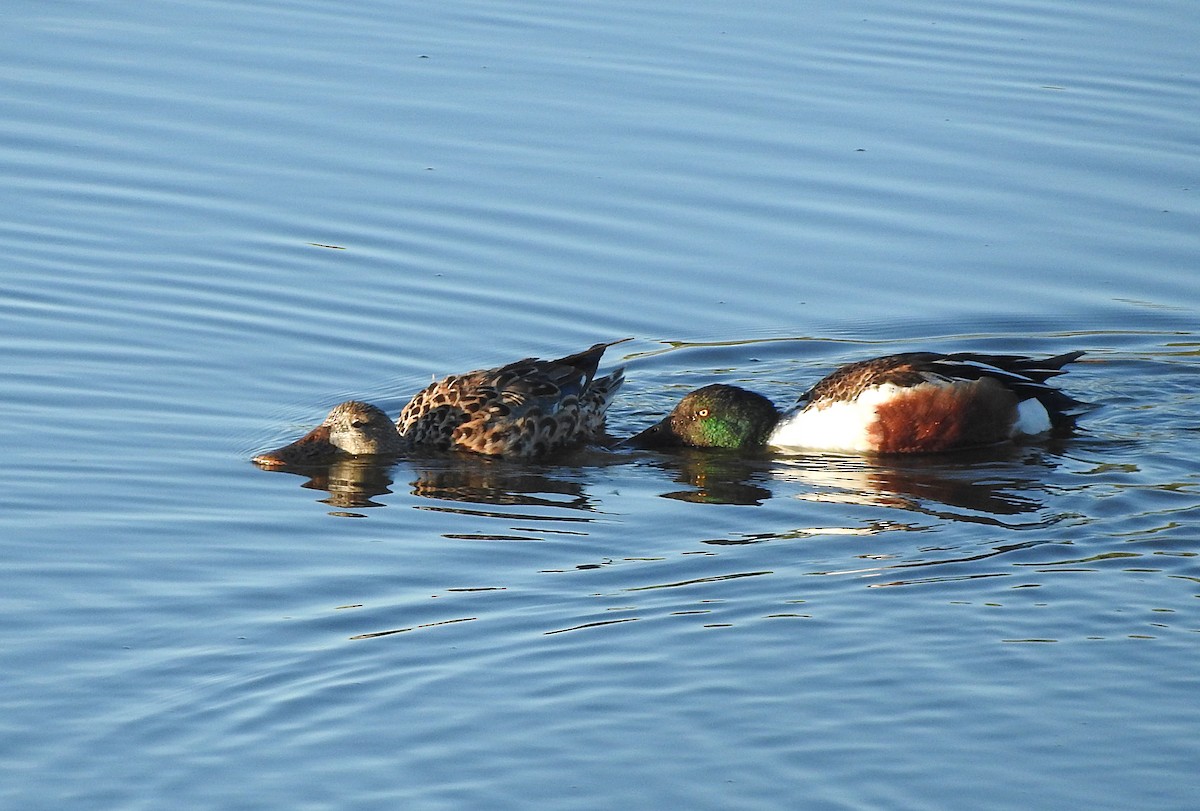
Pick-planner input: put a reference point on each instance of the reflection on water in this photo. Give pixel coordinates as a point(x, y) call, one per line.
point(983, 487)
point(989, 486)
point(689, 533)
point(350, 483)
point(473, 479)
point(455, 480)
point(716, 476)
point(1000, 489)
point(993, 486)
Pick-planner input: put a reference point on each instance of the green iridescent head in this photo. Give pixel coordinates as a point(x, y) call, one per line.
point(716, 416)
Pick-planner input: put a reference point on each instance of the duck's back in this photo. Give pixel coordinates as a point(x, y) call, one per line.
point(928, 402)
point(526, 408)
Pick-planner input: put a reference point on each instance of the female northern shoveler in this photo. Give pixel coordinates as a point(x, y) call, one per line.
point(524, 409)
point(915, 402)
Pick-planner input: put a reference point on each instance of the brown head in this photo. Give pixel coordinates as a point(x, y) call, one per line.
point(352, 428)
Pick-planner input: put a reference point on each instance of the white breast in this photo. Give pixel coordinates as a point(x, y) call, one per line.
point(845, 425)
point(840, 425)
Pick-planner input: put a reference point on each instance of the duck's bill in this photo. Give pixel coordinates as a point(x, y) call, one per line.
point(658, 435)
point(314, 448)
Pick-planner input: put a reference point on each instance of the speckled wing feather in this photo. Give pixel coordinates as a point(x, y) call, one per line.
point(847, 382)
point(527, 408)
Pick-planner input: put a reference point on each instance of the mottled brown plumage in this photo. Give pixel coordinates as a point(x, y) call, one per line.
point(528, 408)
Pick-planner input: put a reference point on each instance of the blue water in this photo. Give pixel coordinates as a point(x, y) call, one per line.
point(221, 219)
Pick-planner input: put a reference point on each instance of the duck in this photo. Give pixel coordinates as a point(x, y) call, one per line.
point(526, 409)
point(911, 402)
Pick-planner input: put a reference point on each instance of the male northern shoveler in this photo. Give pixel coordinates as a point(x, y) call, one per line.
point(915, 402)
point(525, 409)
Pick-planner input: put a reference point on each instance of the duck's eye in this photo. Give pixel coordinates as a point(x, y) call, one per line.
point(702, 412)
point(357, 423)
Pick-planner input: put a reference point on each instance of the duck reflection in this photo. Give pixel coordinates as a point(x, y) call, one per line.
point(717, 476)
point(472, 479)
point(352, 483)
point(998, 487)
point(995, 486)
point(459, 482)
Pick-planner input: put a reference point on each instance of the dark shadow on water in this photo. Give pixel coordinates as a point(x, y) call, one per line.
point(463, 483)
point(1003, 487)
point(995, 486)
point(351, 483)
point(716, 476)
point(472, 479)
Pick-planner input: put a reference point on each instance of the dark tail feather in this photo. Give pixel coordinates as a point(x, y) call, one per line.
point(1046, 368)
point(1010, 369)
point(588, 360)
point(1038, 370)
point(1064, 409)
